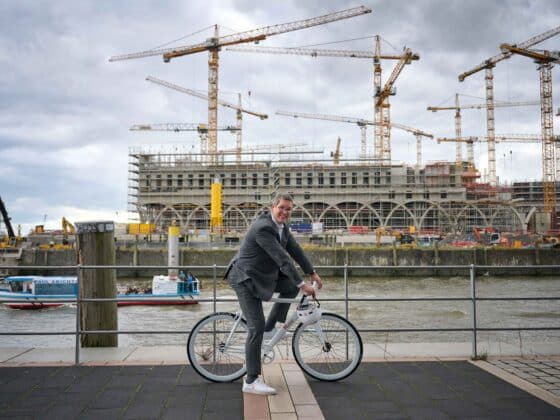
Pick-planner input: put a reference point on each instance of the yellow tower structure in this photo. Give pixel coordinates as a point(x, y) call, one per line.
point(216, 221)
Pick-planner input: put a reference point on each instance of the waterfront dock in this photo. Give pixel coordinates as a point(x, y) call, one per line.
point(397, 381)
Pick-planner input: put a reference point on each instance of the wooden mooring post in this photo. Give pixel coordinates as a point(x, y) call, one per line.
point(96, 246)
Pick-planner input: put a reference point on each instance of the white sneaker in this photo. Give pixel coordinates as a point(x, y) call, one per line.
point(267, 336)
point(258, 387)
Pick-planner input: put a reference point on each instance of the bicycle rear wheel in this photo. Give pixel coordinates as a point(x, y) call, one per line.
point(340, 355)
point(216, 348)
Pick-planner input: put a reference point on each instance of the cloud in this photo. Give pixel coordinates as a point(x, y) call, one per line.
point(65, 110)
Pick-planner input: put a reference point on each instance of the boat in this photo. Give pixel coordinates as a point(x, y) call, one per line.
point(38, 292)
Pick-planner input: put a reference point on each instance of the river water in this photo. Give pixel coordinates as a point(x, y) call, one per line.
point(365, 315)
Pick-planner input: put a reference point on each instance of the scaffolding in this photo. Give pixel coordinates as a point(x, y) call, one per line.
point(173, 184)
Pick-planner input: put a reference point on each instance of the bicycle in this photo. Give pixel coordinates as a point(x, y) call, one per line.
point(328, 349)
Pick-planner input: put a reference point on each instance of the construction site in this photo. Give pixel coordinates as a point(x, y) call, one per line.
point(217, 192)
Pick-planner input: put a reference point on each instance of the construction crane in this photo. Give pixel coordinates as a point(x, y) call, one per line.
point(316, 52)
point(550, 150)
point(67, 229)
point(214, 44)
point(382, 114)
point(488, 65)
point(498, 138)
point(336, 154)
point(363, 123)
point(178, 127)
point(458, 125)
point(239, 110)
point(9, 228)
point(201, 128)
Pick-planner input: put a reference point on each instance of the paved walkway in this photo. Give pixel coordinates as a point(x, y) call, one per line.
point(35, 384)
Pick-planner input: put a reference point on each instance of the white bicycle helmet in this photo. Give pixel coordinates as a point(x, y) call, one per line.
point(309, 312)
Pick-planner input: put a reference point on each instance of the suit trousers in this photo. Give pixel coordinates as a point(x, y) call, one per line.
point(254, 315)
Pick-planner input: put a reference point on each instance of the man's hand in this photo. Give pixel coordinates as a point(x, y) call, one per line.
point(307, 289)
point(314, 277)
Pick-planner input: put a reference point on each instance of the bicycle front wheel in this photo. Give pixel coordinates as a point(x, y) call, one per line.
point(216, 347)
point(328, 350)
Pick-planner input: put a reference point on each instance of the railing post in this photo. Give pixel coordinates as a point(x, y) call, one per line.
point(346, 290)
point(78, 306)
point(214, 285)
point(473, 300)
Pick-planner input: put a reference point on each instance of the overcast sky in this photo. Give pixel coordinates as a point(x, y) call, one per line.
point(66, 110)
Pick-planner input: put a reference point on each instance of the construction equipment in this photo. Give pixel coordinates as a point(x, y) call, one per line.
point(7, 220)
point(214, 44)
point(362, 123)
point(458, 129)
point(488, 65)
point(238, 108)
point(382, 116)
point(550, 150)
point(315, 52)
point(10, 240)
point(67, 229)
point(336, 154)
point(140, 228)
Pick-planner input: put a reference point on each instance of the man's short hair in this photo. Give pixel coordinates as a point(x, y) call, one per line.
point(281, 196)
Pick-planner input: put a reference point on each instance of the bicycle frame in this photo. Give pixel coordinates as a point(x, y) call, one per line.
point(267, 346)
point(317, 345)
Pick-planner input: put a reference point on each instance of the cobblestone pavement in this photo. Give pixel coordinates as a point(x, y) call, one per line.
point(543, 372)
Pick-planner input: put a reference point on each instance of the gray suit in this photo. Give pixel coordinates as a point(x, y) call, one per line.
point(262, 266)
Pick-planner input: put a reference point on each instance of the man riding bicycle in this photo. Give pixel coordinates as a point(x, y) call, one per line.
point(264, 265)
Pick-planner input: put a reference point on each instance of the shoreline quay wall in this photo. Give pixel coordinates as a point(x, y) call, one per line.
point(393, 261)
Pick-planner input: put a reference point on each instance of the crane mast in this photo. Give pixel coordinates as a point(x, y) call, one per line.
point(382, 103)
point(378, 133)
point(214, 44)
point(488, 65)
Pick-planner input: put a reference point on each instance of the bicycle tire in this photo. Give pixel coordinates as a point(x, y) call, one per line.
point(207, 351)
point(338, 359)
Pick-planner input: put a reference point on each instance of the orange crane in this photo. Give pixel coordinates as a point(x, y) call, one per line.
point(317, 52)
point(214, 44)
point(488, 65)
point(238, 109)
point(457, 108)
point(550, 149)
point(382, 113)
point(363, 123)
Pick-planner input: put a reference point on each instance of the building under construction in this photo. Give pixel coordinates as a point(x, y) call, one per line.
point(174, 186)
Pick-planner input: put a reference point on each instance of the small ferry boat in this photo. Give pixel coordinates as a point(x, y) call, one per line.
point(37, 292)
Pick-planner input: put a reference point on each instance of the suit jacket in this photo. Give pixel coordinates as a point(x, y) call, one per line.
point(263, 258)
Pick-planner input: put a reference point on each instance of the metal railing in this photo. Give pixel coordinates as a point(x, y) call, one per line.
point(470, 269)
